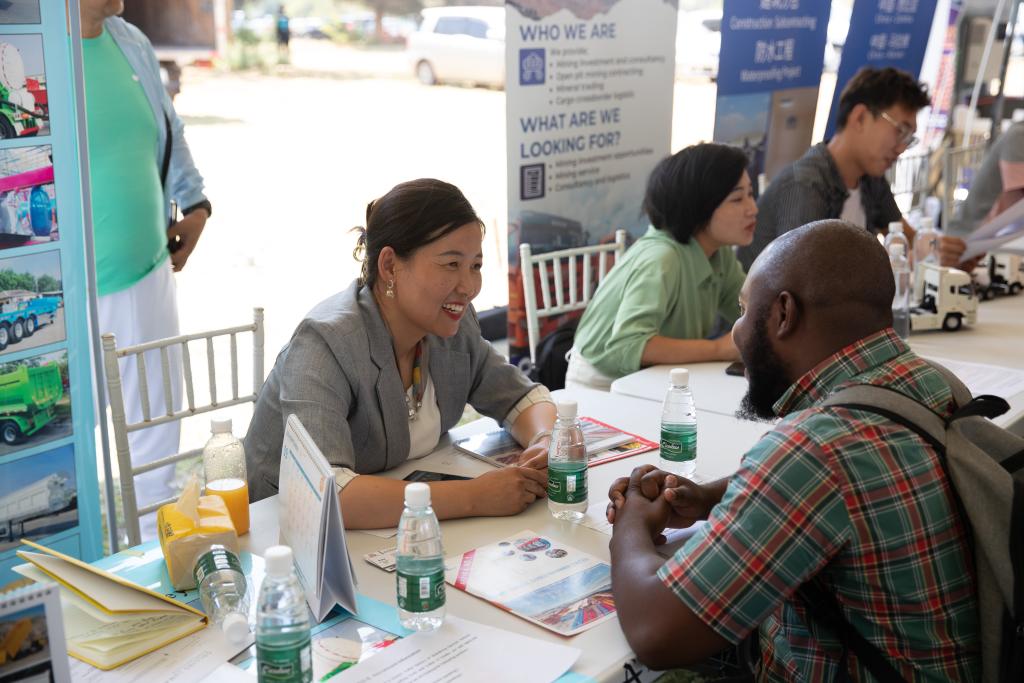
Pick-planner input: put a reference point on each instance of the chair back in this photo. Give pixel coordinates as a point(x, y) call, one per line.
point(567, 281)
point(122, 428)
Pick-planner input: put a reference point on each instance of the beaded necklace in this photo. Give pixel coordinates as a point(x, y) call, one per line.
point(418, 385)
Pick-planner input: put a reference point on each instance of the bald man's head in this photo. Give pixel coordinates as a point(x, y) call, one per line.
point(830, 265)
point(812, 292)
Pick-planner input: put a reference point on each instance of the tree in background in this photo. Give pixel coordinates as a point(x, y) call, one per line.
point(382, 7)
point(48, 283)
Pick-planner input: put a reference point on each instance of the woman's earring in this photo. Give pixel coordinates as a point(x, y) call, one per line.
point(389, 291)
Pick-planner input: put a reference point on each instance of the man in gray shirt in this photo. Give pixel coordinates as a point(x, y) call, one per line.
point(844, 177)
point(997, 184)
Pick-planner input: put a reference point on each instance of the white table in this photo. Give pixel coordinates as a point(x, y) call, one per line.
point(721, 440)
point(995, 340)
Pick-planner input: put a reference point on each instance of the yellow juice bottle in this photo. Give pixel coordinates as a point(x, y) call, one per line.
point(224, 463)
point(235, 493)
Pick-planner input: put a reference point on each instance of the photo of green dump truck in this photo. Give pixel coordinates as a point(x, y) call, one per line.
point(27, 399)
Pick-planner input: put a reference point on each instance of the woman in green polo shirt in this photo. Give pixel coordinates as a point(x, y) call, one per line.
point(660, 304)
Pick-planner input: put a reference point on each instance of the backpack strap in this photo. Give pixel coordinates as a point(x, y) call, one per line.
point(895, 406)
point(961, 394)
point(821, 604)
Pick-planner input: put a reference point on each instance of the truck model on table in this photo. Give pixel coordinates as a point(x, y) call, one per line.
point(50, 495)
point(28, 397)
point(1000, 273)
point(26, 318)
point(943, 298)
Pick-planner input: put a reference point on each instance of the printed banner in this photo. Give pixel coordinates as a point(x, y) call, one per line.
point(589, 105)
point(49, 491)
point(883, 33)
point(945, 81)
point(768, 74)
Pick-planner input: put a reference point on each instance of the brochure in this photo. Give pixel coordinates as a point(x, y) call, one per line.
point(604, 444)
point(32, 633)
point(539, 579)
point(1006, 227)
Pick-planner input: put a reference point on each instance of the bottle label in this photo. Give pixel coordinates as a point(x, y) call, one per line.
point(214, 560)
point(418, 593)
point(567, 486)
point(291, 664)
point(679, 442)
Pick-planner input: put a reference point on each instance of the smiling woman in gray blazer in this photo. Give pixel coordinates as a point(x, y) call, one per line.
point(378, 372)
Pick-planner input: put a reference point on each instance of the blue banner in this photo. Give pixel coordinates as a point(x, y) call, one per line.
point(883, 33)
point(769, 68)
point(48, 484)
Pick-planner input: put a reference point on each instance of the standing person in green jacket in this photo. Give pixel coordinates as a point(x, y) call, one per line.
point(661, 303)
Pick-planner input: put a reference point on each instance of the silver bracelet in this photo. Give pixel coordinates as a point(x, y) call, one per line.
point(538, 436)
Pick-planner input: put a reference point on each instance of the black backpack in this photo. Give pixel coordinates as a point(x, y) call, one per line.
point(551, 356)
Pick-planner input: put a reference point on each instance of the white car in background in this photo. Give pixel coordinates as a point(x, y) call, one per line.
point(459, 44)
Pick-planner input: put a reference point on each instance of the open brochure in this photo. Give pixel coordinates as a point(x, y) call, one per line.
point(991, 236)
point(539, 579)
point(604, 444)
point(108, 620)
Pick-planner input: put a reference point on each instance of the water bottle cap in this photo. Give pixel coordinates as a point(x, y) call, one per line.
point(279, 560)
point(235, 627)
point(567, 408)
point(680, 377)
point(896, 227)
point(220, 426)
point(417, 495)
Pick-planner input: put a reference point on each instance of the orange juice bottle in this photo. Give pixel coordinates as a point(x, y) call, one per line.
point(224, 463)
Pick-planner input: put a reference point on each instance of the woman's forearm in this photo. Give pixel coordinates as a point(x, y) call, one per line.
point(539, 417)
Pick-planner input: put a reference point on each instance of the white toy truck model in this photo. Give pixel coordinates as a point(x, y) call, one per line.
point(943, 298)
point(999, 274)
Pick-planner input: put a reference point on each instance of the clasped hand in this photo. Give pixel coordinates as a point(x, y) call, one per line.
point(658, 500)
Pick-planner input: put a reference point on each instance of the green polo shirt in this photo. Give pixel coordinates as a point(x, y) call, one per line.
point(130, 237)
point(661, 287)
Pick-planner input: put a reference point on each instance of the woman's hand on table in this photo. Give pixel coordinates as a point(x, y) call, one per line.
point(508, 491)
point(536, 456)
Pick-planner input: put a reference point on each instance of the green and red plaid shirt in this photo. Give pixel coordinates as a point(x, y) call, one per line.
point(858, 499)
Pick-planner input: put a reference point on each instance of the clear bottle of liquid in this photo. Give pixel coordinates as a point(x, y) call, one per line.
point(567, 466)
point(679, 426)
point(896, 235)
point(224, 464)
point(283, 653)
point(420, 563)
point(223, 591)
point(926, 242)
point(901, 299)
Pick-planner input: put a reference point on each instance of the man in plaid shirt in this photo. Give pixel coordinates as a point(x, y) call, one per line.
point(844, 495)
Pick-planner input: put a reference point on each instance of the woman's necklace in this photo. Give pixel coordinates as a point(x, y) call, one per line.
point(418, 387)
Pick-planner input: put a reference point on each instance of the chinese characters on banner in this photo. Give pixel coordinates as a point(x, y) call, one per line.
point(589, 106)
point(770, 66)
point(884, 33)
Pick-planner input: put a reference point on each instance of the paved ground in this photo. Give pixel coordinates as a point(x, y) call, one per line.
point(57, 429)
point(47, 334)
point(44, 526)
point(19, 11)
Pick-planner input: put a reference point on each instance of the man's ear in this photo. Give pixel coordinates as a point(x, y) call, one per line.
point(858, 115)
point(786, 315)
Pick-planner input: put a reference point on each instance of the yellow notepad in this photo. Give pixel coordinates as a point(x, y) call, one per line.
point(108, 620)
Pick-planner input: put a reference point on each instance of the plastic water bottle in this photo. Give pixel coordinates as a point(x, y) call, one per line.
point(901, 299)
point(567, 466)
point(420, 563)
point(897, 236)
point(283, 653)
point(926, 242)
point(224, 592)
point(679, 426)
point(224, 463)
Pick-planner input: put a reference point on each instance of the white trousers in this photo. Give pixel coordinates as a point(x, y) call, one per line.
point(147, 311)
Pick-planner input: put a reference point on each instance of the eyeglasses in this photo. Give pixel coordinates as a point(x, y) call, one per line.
point(906, 133)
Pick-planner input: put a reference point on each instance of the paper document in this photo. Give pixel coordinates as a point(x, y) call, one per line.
point(985, 379)
point(311, 524)
point(539, 579)
point(1007, 226)
point(465, 651)
point(32, 645)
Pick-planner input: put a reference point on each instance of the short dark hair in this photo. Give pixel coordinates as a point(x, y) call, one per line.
point(410, 216)
point(684, 189)
point(879, 89)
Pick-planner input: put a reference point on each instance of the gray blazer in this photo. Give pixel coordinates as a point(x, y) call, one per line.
point(338, 375)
